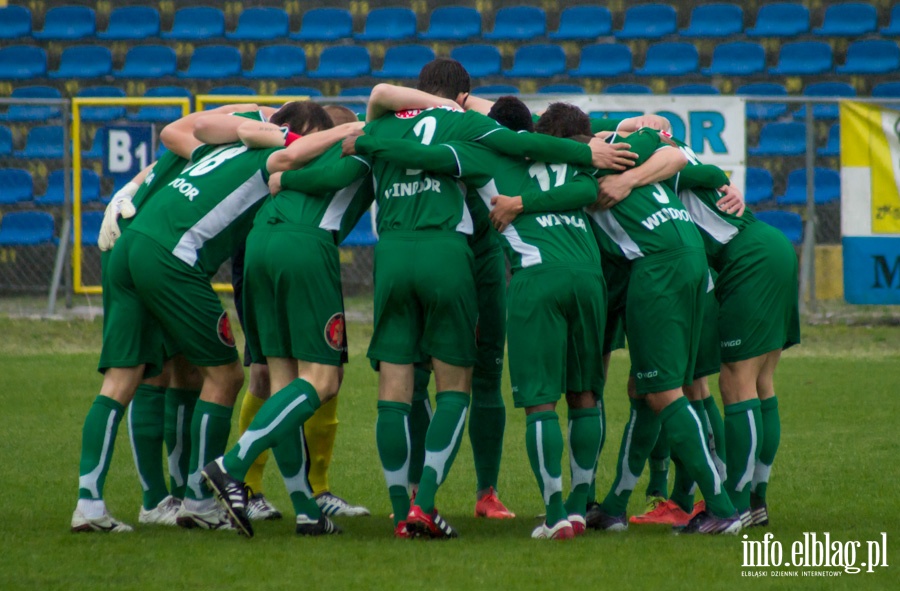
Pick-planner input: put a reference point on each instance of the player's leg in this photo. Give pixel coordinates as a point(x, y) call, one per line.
point(181, 398)
point(770, 436)
point(419, 418)
point(258, 391)
point(392, 436)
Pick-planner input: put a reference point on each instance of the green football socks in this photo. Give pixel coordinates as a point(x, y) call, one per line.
point(487, 423)
point(441, 444)
point(392, 439)
point(743, 425)
point(98, 436)
point(210, 427)
point(419, 419)
point(771, 437)
point(180, 405)
point(544, 443)
point(584, 449)
point(638, 440)
point(292, 457)
point(146, 425)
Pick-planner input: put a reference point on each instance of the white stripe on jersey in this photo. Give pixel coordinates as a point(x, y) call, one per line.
point(531, 255)
point(706, 219)
point(611, 226)
point(331, 220)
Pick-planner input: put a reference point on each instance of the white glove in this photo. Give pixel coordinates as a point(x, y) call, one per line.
point(120, 206)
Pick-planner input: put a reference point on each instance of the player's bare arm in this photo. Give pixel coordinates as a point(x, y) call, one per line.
point(649, 120)
point(664, 164)
point(258, 134)
point(387, 98)
point(308, 147)
point(732, 200)
point(178, 136)
point(616, 156)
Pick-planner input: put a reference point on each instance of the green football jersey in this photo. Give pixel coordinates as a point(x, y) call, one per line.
point(207, 210)
point(651, 220)
point(599, 124)
point(164, 171)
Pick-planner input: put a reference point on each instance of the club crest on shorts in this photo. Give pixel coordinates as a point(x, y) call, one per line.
point(223, 328)
point(334, 331)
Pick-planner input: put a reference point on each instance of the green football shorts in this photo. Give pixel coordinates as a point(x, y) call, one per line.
point(709, 358)
point(490, 336)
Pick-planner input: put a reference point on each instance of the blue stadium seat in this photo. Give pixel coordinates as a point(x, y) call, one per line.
point(453, 23)
point(213, 61)
point(780, 139)
point(6, 144)
point(648, 21)
point(102, 114)
point(757, 111)
point(738, 58)
point(16, 186)
point(627, 89)
point(383, 24)
point(498, 89)
point(404, 61)
point(362, 234)
point(518, 23)
point(26, 228)
point(96, 150)
point(21, 62)
point(84, 61)
point(355, 91)
point(849, 19)
point(298, 91)
point(583, 23)
point(90, 227)
point(161, 113)
point(342, 62)
point(43, 142)
point(561, 89)
point(325, 24)
point(803, 57)
point(715, 20)
point(893, 28)
point(132, 22)
point(833, 146)
point(780, 19)
point(603, 59)
point(537, 61)
point(233, 89)
point(33, 112)
point(200, 22)
point(148, 61)
point(56, 189)
point(479, 60)
point(260, 24)
point(707, 89)
point(759, 185)
point(826, 187)
point(825, 110)
point(65, 23)
point(15, 22)
point(790, 223)
point(670, 59)
point(871, 56)
point(278, 61)
point(886, 90)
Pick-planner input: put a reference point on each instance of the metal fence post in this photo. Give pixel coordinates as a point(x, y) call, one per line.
point(808, 275)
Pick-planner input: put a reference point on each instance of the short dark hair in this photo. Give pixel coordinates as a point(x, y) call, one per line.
point(302, 117)
point(564, 120)
point(445, 78)
point(511, 112)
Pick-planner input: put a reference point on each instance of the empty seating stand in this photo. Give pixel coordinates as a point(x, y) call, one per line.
point(325, 24)
point(213, 61)
point(518, 23)
point(790, 223)
point(67, 23)
point(780, 139)
point(871, 56)
point(738, 58)
point(803, 57)
point(760, 111)
point(384, 24)
point(479, 60)
point(780, 19)
point(715, 20)
point(648, 21)
point(16, 186)
point(260, 24)
point(26, 228)
point(453, 23)
point(99, 114)
point(84, 61)
point(44, 141)
point(22, 62)
point(148, 61)
point(404, 61)
point(197, 23)
point(151, 114)
point(56, 189)
point(132, 22)
point(850, 19)
point(583, 23)
point(670, 59)
point(23, 112)
point(15, 22)
point(342, 62)
point(537, 61)
point(759, 184)
point(826, 187)
point(603, 59)
point(278, 61)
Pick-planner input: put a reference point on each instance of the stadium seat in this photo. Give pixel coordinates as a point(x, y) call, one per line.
point(707, 89)
point(780, 139)
point(759, 184)
point(298, 91)
point(518, 23)
point(278, 61)
point(886, 90)
point(33, 112)
point(871, 56)
point(325, 24)
point(21, 62)
point(648, 21)
point(404, 61)
point(825, 110)
point(197, 23)
point(826, 187)
point(342, 62)
point(161, 113)
point(90, 227)
point(43, 142)
point(355, 91)
point(132, 22)
point(15, 22)
point(537, 61)
point(65, 23)
point(56, 188)
point(833, 146)
point(803, 57)
point(561, 89)
point(102, 114)
point(233, 89)
point(892, 30)
point(6, 144)
point(498, 89)
point(479, 60)
point(260, 24)
point(790, 223)
point(738, 58)
point(362, 234)
point(383, 24)
point(670, 59)
point(583, 23)
point(148, 61)
point(758, 111)
point(453, 23)
point(213, 61)
point(603, 59)
point(849, 19)
point(780, 19)
point(84, 61)
point(97, 145)
point(715, 20)
point(16, 186)
point(26, 228)
point(628, 89)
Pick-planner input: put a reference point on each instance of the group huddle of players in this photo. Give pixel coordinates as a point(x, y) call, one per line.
point(611, 229)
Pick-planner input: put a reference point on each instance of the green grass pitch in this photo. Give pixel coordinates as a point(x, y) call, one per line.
point(836, 472)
